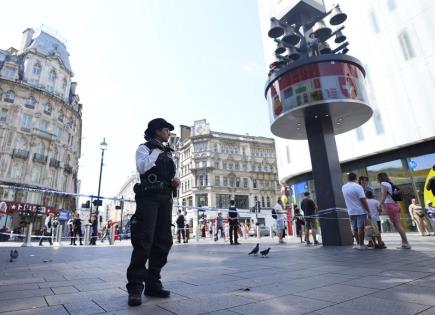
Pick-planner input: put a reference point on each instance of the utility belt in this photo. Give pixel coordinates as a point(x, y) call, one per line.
point(147, 189)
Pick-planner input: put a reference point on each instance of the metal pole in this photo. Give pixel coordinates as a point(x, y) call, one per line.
point(99, 184)
point(122, 226)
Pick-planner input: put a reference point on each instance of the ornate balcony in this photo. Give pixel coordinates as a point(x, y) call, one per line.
point(54, 163)
point(21, 154)
point(67, 169)
point(40, 158)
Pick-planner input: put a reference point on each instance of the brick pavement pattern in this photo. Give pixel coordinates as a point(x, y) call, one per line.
point(220, 279)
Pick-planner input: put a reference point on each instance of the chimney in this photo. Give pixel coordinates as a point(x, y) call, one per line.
point(185, 133)
point(73, 88)
point(27, 38)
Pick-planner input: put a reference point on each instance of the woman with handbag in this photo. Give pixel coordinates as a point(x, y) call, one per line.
point(418, 214)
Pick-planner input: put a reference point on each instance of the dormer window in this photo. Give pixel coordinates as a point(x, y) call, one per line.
point(10, 73)
point(37, 69)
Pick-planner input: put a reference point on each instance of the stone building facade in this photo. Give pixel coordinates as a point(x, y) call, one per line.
point(215, 167)
point(40, 124)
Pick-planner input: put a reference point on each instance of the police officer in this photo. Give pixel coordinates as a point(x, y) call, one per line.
point(233, 218)
point(151, 235)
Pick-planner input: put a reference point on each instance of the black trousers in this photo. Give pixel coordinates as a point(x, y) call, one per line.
point(151, 238)
point(79, 233)
point(45, 233)
point(181, 233)
point(233, 232)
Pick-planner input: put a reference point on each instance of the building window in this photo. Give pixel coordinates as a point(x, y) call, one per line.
point(48, 109)
point(245, 183)
point(52, 76)
point(204, 163)
point(242, 201)
point(238, 182)
point(40, 148)
point(30, 102)
point(217, 180)
point(22, 144)
point(215, 147)
point(406, 45)
point(268, 201)
point(16, 170)
point(43, 125)
point(64, 84)
point(222, 200)
point(374, 21)
point(9, 73)
point(36, 173)
point(202, 200)
point(9, 96)
point(34, 82)
point(224, 165)
point(26, 121)
point(232, 180)
point(225, 180)
point(4, 115)
point(36, 69)
point(262, 202)
point(254, 183)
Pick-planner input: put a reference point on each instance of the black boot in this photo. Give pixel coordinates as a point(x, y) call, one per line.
point(156, 290)
point(134, 298)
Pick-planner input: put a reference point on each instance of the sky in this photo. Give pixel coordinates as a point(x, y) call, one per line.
point(138, 60)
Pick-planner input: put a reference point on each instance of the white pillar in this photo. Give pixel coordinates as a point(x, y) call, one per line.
point(28, 237)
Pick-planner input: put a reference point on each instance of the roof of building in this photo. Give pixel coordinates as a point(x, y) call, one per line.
point(50, 45)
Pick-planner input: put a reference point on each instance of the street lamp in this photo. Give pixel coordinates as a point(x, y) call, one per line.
point(103, 147)
point(315, 92)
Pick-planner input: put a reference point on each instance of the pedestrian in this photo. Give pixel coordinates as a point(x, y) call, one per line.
point(180, 227)
point(233, 218)
point(219, 226)
point(94, 231)
point(375, 222)
point(77, 225)
point(392, 207)
point(71, 231)
point(364, 182)
point(280, 220)
point(357, 208)
point(431, 183)
point(106, 231)
point(418, 215)
point(430, 209)
point(309, 208)
point(299, 221)
point(187, 228)
point(151, 235)
point(48, 229)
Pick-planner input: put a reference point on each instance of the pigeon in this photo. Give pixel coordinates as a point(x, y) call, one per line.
point(265, 252)
point(255, 250)
point(14, 255)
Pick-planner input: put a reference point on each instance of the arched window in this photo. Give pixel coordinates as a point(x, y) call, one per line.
point(36, 69)
point(40, 148)
point(61, 116)
point(30, 102)
point(10, 96)
point(48, 108)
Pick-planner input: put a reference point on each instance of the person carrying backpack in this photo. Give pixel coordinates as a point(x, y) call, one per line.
point(390, 195)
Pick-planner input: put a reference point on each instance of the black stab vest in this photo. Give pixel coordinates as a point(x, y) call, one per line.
point(163, 171)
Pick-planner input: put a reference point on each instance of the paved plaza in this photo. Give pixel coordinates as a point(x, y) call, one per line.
point(220, 279)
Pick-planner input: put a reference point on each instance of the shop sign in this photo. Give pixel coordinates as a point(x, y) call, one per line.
point(9, 207)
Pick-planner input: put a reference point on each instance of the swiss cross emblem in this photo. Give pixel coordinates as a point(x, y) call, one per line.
point(348, 87)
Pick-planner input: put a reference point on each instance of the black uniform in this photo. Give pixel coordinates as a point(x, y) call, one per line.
point(234, 224)
point(180, 229)
point(151, 234)
point(77, 223)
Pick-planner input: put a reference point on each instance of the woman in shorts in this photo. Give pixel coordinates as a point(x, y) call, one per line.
point(391, 207)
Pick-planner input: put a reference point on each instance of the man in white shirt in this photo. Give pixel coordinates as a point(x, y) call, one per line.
point(151, 234)
point(48, 229)
point(357, 208)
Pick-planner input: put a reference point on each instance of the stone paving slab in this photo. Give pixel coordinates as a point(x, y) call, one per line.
point(218, 279)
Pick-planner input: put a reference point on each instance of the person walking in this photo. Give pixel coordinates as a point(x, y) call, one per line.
point(431, 183)
point(233, 218)
point(180, 227)
point(392, 207)
point(94, 231)
point(48, 229)
point(309, 208)
point(418, 215)
point(299, 220)
point(357, 208)
point(77, 225)
point(280, 220)
point(219, 226)
point(71, 231)
point(151, 235)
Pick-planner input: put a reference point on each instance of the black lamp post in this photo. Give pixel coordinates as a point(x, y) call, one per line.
point(103, 147)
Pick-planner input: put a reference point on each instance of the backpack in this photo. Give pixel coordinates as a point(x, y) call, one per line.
point(274, 214)
point(397, 194)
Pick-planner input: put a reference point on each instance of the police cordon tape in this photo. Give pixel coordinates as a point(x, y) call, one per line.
point(319, 214)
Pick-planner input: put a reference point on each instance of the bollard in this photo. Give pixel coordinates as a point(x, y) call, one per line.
point(214, 232)
point(58, 238)
point(28, 237)
point(112, 235)
point(197, 232)
point(271, 232)
point(258, 232)
point(244, 233)
point(87, 233)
